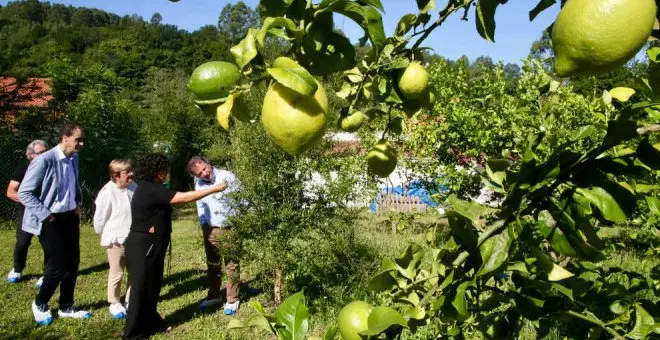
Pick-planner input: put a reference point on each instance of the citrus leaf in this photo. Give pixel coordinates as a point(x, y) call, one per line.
point(644, 324)
point(330, 333)
point(236, 324)
point(540, 7)
point(414, 312)
point(277, 22)
point(459, 299)
point(622, 94)
point(382, 281)
point(425, 5)
point(494, 252)
point(554, 271)
point(472, 210)
point(620, 130)
point(584, 132)
point(290, 74)
point(555, 236)
point(396, 125)
point(366, 16)
point(246, 50)
point(405, 24)
point(613, 201)
point(649, 154)
point(381, 318)
point(376, 4)
point(485, 14)
point(293, 315)
point(528, 306)
point(654, 204)
point(256, 305)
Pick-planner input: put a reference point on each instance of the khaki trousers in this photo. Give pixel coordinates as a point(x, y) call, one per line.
point(222, 248)
point(117, 261)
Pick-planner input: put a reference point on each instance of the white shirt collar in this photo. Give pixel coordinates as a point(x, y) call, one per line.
point(60, 153)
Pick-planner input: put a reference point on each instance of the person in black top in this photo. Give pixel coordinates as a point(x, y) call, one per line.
point(23, 239)
point(147, 242)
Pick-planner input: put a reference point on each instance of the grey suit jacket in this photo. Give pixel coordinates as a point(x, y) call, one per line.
point(38, 189)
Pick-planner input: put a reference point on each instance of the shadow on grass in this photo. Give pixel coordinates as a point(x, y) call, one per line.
point(94, 269)
point(188, 312)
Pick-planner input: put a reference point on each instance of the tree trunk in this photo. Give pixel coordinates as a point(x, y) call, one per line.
point(277, 293)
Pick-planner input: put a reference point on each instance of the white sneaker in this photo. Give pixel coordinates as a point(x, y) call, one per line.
point(231, 308)
point(117, 311)
point(41, 315)
point(210, 303)
point(74, 313)
point(39, 282)
point(13, 276)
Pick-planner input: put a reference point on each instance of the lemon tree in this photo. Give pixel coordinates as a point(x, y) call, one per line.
point(537, 256)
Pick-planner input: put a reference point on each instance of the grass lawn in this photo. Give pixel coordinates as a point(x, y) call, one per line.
point(184, 289)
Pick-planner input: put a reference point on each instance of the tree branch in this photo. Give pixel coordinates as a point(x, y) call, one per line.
point(598, 323)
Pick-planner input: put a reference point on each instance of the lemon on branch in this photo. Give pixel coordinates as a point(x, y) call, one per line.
point(414, 81)
point(353, 319)
point(591, 37)
point(381, 159)
point(292, 120)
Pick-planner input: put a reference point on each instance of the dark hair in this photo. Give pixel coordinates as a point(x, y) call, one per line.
point(66, 130)
point(150, 166)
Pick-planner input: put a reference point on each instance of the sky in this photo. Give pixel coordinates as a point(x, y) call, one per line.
point(514, 34)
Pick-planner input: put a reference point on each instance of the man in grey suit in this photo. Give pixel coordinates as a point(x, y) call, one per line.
point(51, 195)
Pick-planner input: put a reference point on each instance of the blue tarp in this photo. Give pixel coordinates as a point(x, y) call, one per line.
point(415, 189)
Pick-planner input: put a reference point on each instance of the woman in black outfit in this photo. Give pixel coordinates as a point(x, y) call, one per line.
point(147, 242)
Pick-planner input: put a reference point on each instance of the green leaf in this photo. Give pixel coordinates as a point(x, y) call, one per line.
point(620, 130)
point(366, 16)
point(548, 227)
point(324, 51)
point(425, 5)
point(396, 125)
point(517, 266)
point(613, 201)
point(540, 7)
point(381, 318)
point(472, 210)
point(236, 324)
point(277, 22)
point(644, 324)
point(409, 261)
point(528, 306)
point(649, 154)
point(290, 74)
point(330, 333)
point(405, 24)
point(554, 271)
point(293, 315)
point(485, 14)
point(246, 50)
point(618, 307)
point(376, 4)
point(414, 312)
point(256, 305)
point(584, 132)
point(622, 94)
point(382, 281)
point(653, 53)
point(459, 301)
point(494, 252)
point(654, 204)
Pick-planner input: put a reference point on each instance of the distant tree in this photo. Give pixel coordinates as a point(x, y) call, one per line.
point(156, 19)
point(235, 20)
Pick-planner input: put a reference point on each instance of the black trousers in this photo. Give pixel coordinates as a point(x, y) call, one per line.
point(61, 242)
point(145, 261)
point(23, 240)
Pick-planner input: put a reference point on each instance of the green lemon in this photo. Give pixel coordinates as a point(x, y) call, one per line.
point(381, 159)
point(414, 81)
point(596, 36)
point(353, 122)
point(294, 121)
point(210, 82)
point(353, 319)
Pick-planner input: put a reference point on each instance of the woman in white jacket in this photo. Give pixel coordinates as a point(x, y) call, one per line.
point(112, 220)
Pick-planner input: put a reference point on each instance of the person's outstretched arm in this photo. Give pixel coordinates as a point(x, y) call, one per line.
point(191, 196)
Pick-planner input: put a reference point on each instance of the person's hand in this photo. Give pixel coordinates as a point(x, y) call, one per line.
point(220, 187)
point(50, 218)
point(77, 211)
